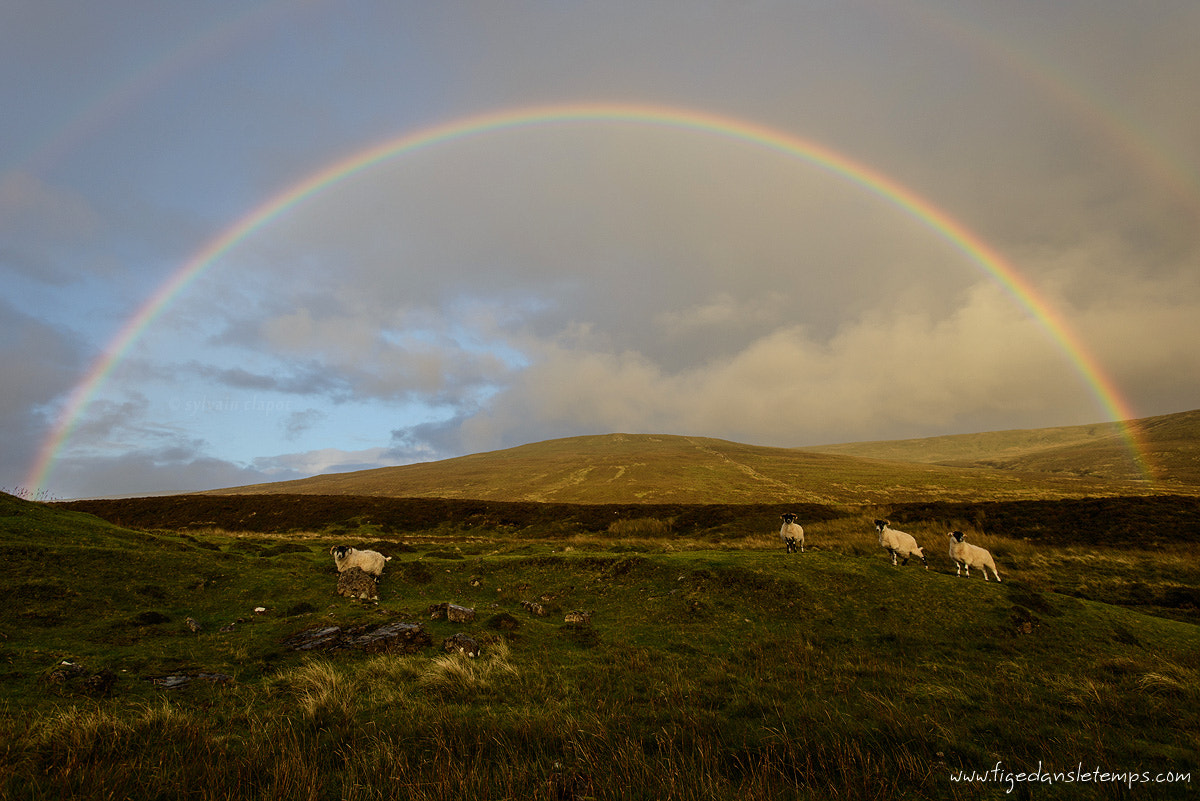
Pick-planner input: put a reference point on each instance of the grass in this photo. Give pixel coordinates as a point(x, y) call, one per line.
point(712, 669)
point(643, 468)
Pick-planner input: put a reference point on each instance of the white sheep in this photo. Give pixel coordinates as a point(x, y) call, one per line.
point(792, 533)
point(371, 562)
point(899, 543)
point(967, 556)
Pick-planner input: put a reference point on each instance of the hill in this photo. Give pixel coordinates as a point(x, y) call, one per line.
point(1172, 444)
point(643, 468)
point(136, 664)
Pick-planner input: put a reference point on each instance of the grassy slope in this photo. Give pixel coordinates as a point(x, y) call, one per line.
point(734, 673)
point(625, 468)
point(1100, 450)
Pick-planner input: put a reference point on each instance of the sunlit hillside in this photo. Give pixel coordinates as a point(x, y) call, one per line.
point(1171, 446)
point(1083, 461)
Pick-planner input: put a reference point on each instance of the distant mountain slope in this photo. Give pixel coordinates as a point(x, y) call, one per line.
point(627, 468)
point(1171, 442)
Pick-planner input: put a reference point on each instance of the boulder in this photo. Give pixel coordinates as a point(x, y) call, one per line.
point(396, 637)
point(452, 612)
point(358, 584)
point(323, 638)
point(461, 644)
point(577, 617)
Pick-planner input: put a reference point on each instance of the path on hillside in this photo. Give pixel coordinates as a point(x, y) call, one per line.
point(745, 468)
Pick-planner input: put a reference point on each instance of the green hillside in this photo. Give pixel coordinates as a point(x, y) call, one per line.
point(704, 671)
point(1171, 443)
point(627, 468)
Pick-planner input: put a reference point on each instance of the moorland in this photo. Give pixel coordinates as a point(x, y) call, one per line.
point(156, 647)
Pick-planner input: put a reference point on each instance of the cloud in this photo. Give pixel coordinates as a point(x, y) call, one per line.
point(299, 422)
point(324, 460)
point(889, 371)
point(180, 467)
point(39, 363)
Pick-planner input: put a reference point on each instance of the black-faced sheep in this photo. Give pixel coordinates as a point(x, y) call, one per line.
point(967, 556)
point(898, 543)
point(370, 562)
point(792, 533)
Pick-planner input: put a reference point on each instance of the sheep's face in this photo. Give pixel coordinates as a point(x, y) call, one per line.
point(340, 552)
point(880, 525)
point(788, 517)
point(955, 536)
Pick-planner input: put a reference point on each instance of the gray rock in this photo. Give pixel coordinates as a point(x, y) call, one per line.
point(396, 637)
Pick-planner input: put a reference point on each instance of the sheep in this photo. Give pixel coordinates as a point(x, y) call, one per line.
point(791, 533)
point(371, 562)
point(899, 543)
point(966, 556)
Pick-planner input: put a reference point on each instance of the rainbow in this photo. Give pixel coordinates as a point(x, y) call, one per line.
point(786, 144)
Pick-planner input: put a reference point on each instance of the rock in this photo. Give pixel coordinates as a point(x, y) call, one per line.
point(193, 625)
point(533, 607)
point(72, 676)
point(171, 682)
point(452, 612)
point(462, 644)
point(459, 614)
point(395, 637)
point(180, 679)
point(65, 672)
point(358, 584)
point(318, 639)
point(398, 637)
point(578, 618)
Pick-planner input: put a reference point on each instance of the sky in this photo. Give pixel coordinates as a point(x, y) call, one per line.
point(566, 274)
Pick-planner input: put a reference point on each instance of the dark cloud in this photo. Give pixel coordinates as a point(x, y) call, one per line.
point(173, 469)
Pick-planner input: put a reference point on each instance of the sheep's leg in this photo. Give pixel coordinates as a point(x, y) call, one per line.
point(904, 561)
